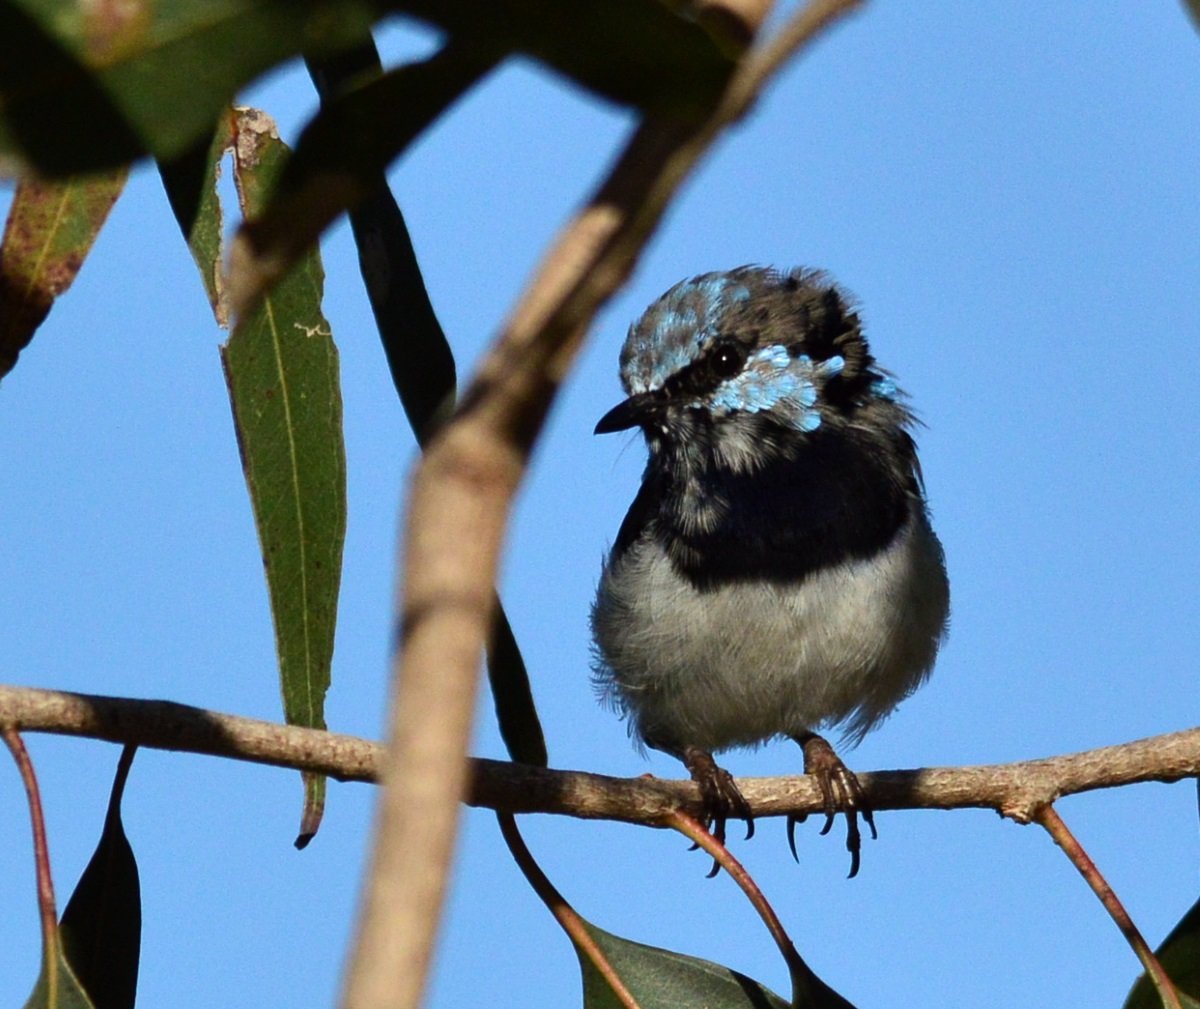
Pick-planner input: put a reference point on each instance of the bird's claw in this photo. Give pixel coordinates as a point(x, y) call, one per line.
point(841, 792)
point(792, 821)
point(719, 794)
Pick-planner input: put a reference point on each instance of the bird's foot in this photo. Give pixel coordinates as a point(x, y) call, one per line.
point(840, 792)
point(719, 793)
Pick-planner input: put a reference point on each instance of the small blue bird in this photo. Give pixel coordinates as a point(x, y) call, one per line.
point(776, 573)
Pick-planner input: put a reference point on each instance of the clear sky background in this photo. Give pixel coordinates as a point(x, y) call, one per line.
point(1010, 191)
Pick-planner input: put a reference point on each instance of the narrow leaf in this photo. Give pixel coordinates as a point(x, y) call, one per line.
point(637, 52)
point(101, 928)
point(281, 366)
point(1180, 958)
point(50, 230)
point(512, 695)
point(94, 85)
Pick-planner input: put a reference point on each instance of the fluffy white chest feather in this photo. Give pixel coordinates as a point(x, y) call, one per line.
point(747, 661)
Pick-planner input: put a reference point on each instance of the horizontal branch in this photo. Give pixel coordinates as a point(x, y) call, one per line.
point(1016, 790)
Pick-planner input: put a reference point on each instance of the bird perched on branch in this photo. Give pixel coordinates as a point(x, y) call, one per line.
point(777, 573)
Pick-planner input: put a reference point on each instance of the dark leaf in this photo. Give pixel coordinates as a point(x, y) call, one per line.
point(50, 230)
point(516, 713)
point(101, 929)
point(637, 52)
point(85, 86)
point(191, 184)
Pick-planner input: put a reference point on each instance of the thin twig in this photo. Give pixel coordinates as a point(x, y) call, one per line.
point(1048, 817)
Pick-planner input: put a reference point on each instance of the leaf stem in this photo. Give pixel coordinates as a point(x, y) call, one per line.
point(1048, 818)
point(47, 912)
point(566, 916)
point(804, 981)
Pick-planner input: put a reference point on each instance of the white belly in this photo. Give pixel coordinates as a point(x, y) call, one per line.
point(740, 664)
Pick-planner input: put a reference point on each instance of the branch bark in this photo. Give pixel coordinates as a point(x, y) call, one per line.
point(1016, 790)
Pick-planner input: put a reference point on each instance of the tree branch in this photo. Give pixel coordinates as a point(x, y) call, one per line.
point(461, 494)
point(1017, 790)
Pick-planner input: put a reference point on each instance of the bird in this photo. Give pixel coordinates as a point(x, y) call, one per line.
point(777, 574)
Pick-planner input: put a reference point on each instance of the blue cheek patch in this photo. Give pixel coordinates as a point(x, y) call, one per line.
point(772, 380)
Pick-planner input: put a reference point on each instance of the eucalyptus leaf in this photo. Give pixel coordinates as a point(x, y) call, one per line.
point(341, 156)
point(636, 52)
point(50, 230)
point(281, 367)
point(85, 86)
point(662, 979)
point(101, 928)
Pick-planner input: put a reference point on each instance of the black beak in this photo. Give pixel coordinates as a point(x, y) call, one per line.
point(631, 413)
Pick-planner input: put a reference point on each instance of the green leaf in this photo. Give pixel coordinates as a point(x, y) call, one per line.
point(637, 52)
point(50, 230)
point(661, 979)
point(94, 85)
point(57, 987)
point(281, 367)
point(101, 929)
point(1180, 957)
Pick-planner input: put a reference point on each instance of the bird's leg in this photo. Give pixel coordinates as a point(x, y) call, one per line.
point(720, 793)
point(841, 792)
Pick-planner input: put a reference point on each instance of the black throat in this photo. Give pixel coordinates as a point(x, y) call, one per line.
point(843, 497)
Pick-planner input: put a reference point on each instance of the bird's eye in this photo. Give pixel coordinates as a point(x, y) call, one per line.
point(727, 360)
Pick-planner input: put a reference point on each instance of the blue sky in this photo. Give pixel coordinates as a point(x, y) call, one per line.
point(1009, 190)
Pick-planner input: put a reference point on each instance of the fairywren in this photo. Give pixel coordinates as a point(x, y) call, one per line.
point(776, 573)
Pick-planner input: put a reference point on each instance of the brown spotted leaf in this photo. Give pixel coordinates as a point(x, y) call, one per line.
point(50, 230)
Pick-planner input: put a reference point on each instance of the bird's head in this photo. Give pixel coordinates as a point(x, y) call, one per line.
point(748, 365)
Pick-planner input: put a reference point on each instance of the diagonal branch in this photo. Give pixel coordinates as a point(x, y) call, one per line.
point(1017, 790)
point(459, 504)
